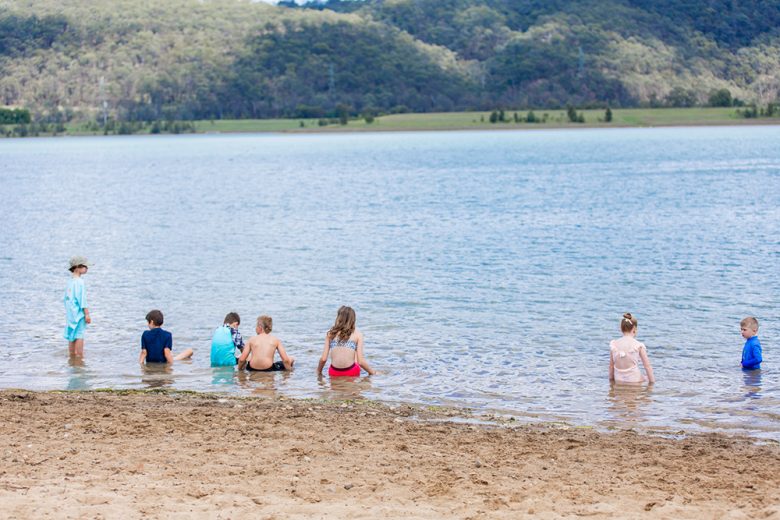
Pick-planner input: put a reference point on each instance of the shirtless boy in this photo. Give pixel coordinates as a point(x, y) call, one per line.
point(258, 355)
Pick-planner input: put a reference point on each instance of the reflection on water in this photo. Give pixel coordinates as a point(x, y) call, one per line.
point(752, 379)
point(223, 376)
point(157, 375)
point(344, 387)
point(629, 403)
point(78, 377)
point(263, 384)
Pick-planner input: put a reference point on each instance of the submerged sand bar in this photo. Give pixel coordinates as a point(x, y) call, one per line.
point(153, 455)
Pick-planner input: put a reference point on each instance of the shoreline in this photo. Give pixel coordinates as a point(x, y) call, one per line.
point(504, 128)
point(160, 454)
point(377, 130)
point(450, 122)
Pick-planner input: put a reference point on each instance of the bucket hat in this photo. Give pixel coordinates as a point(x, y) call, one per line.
point(76, 261)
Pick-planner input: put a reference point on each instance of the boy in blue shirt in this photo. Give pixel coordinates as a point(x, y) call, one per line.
point(751, 352)
point(157, 344)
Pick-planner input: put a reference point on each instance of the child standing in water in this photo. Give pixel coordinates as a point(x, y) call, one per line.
point(76, 311)
point(625, 354)
point(751, 352)
point(345, 345)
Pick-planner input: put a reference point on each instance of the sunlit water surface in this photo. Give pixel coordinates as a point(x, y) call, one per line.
point(488, 270)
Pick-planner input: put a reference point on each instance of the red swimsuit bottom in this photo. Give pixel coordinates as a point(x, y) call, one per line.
point(353, 371)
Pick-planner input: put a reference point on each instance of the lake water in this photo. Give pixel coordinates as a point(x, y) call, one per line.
point(488, 270)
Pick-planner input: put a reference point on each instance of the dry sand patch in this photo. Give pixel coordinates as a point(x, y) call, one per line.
point(153, 455)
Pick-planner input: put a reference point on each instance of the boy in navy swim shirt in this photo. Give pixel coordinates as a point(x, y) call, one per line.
point(751, 352)
point(157, 344)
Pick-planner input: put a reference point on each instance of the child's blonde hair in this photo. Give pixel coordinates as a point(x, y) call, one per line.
point(628, 323)
point(266, 323)
point(751, 322)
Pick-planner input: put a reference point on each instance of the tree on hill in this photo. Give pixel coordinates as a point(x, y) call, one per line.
point(680, 97)
point(720, 98)
point(20, 35)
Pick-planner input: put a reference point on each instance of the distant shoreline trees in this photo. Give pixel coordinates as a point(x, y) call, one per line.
point(14, 116)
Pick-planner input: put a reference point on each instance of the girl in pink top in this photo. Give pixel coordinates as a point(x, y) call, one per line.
point(625, 354)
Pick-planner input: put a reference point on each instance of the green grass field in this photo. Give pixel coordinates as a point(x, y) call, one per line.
point(481, 120)
point(634, 117)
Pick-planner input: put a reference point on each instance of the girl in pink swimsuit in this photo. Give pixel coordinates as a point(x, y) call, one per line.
point(344, 343)
point(625, 354)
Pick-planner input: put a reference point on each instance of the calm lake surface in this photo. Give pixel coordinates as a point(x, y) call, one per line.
point(488, 270)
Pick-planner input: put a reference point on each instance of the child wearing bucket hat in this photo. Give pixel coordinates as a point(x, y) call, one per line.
point(76, 311)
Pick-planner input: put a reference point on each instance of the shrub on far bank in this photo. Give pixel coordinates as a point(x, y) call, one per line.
point(14, 116)
point(680, 97)
point(753, 111)
point(573, 116)
point(720, 98)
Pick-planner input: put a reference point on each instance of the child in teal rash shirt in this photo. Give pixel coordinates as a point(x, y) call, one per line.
point(226, 342)
point(76, 311)
point(751, 352)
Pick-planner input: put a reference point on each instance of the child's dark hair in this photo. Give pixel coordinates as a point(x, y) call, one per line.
point(155, 317)
point(232, 317)
point(628, 323)
point(266, 323)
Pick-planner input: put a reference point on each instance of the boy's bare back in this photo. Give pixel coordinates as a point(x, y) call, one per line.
point(262, 349)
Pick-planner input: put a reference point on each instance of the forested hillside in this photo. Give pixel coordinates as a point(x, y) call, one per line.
point(211, 59)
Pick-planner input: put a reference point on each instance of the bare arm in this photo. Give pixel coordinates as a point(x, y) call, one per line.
point(168, 355)
point(86, 315)
point(244, 356)
point(324, 356)
point(142, 357)
point(361, 358)
point(611, 367)
point(287, 360)
point(647, 365)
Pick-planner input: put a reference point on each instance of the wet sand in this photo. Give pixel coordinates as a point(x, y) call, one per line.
point(157, 455)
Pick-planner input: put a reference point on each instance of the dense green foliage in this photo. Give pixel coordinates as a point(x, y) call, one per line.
point(214, 59)
point(730, 23)
point(20, 35)
point(721, 98)
point(274, 77)
point(14, 116)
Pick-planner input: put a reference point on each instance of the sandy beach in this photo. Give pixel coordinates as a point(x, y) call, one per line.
point(156, 455)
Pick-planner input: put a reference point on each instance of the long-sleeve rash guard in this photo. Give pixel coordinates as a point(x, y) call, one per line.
point(751, 354)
